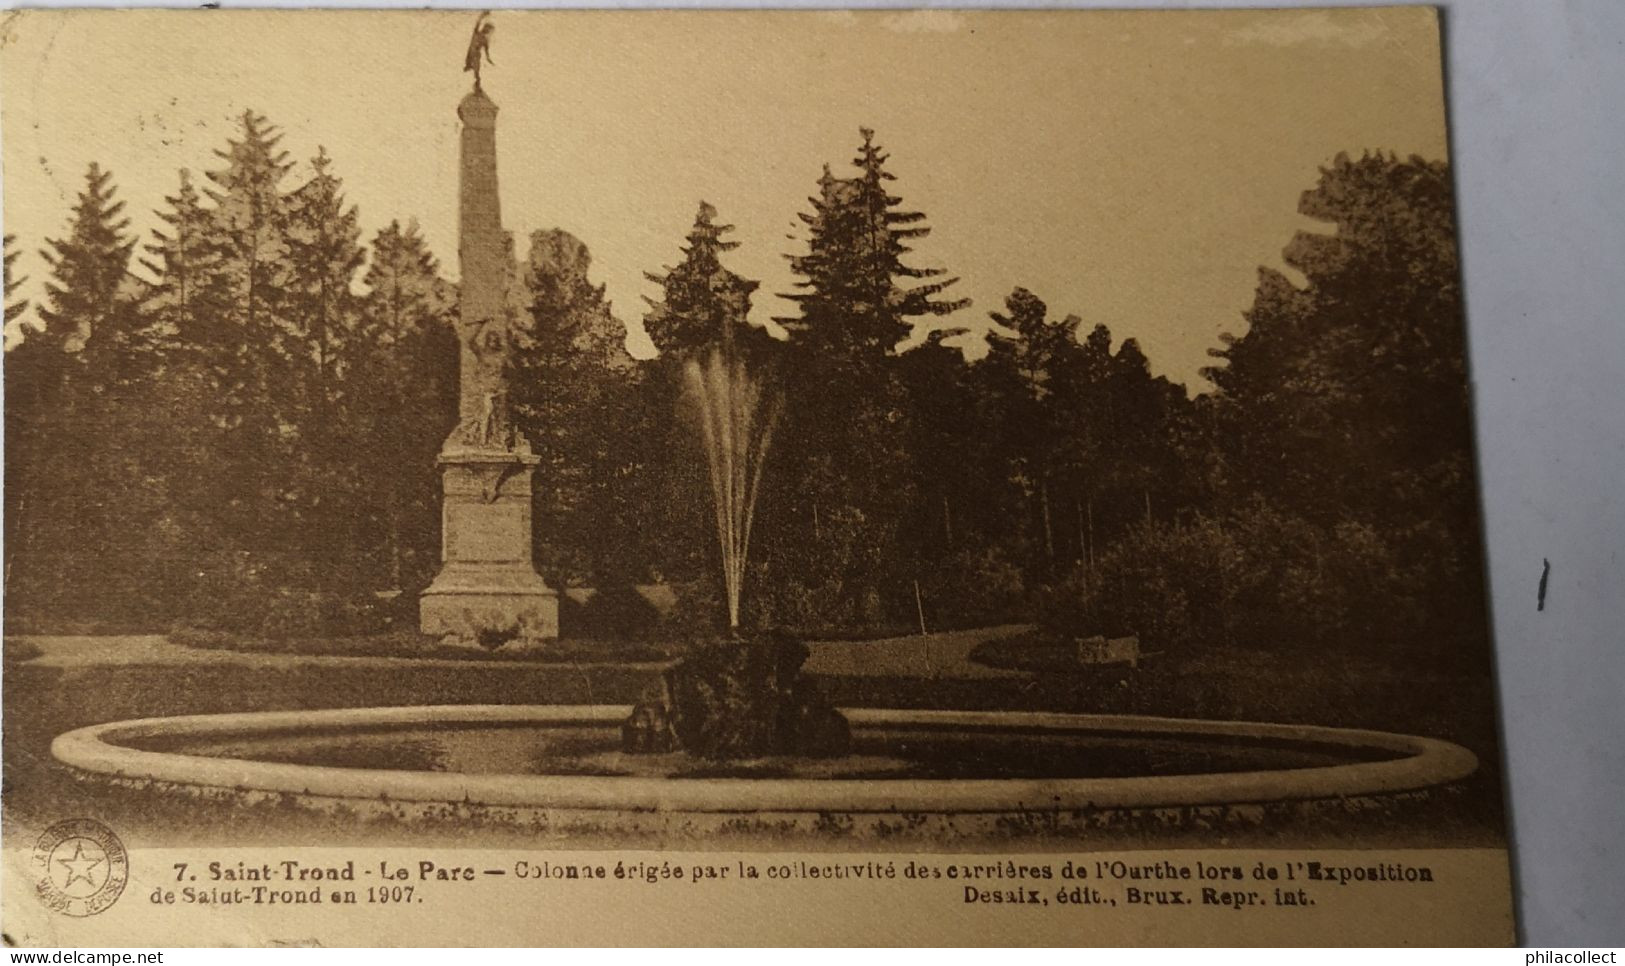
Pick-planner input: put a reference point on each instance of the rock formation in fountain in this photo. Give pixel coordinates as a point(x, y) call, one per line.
point(738, 699)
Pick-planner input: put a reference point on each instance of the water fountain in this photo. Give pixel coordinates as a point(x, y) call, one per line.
point(941, 774)
point(737, 431)
point(739, 698)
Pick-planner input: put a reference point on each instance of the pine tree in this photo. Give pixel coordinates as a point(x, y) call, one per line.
point(249, 256)
point(846, 401)
point(1020, 372)
point(1140, 409)
point(245, 351)
point(1086, 449)
point(856, 295)
point(404, 399)
point(250, 215)
point(1085, 437)
point(89, 272)
point(189, 306)
point(703, 307)
point(172, 418)
point(702, 303)
point(944, 453)
point(33, 370)
point(13, 282)
point(1036, 345)
point(324, 254)
point(186, 291)
point(90, 311)
point(573, 385)
point(323, 239)
point(81, 494)
point(405, 293)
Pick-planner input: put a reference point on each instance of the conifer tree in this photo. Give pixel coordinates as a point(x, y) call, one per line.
point(34, 369)
point(847, 404)
point(79, 483)
point(19, 376)
point(89, 268)
point(247, 345)
point(187, 290)
point(944, 451)
point(405, 293)
point(574, 384)
point(13, 282)
point(1085, 448)
point(90, 308)
point(1020, 372)
point(248, 236)
point(1140, 408)
point(324, 254)
point(1036, 345)
point(404, 398)
point(184, 306)
point(857, 296)
point(251, 215)
point(703, 304)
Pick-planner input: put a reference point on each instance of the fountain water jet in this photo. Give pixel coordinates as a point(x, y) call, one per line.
point(735, 699)
point(736, 430)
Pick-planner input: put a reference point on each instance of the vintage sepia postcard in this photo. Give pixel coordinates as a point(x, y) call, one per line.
point(899, 477)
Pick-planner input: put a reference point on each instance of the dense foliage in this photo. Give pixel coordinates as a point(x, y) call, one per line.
point(1341, 506)
point(244, 435)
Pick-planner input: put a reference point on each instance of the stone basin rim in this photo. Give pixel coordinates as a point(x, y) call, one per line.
point(1420, 763)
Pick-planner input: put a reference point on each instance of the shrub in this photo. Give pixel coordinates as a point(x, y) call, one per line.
point(698, 615)
point(280, 596)
point(1257, 577)
point(1157, 582)
point(229, 591)
point(269, 596)
point(974, 588)
point(831, 580)
point(776, 598)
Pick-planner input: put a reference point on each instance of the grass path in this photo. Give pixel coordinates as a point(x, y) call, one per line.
point(941, 656)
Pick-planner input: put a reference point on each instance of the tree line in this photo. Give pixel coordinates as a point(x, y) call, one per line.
point(249, 433)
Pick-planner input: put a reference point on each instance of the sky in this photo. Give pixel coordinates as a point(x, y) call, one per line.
point(1132, 168)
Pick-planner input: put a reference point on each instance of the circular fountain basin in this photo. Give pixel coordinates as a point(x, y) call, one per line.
point(564, 762)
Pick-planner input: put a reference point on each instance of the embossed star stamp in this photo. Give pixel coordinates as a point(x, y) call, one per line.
point(81, 867)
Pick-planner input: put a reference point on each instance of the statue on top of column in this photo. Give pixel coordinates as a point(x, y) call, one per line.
point(479, 43)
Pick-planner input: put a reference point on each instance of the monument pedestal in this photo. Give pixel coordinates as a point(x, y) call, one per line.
point(488, 591)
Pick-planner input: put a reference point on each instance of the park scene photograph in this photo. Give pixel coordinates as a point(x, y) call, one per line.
point(921, 430)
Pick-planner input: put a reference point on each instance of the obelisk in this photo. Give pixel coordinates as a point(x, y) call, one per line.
point(487, 591)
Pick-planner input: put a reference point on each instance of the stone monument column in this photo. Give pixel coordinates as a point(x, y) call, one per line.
point(487, 590)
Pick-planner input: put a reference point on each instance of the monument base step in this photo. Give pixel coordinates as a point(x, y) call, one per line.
point(489, 608)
